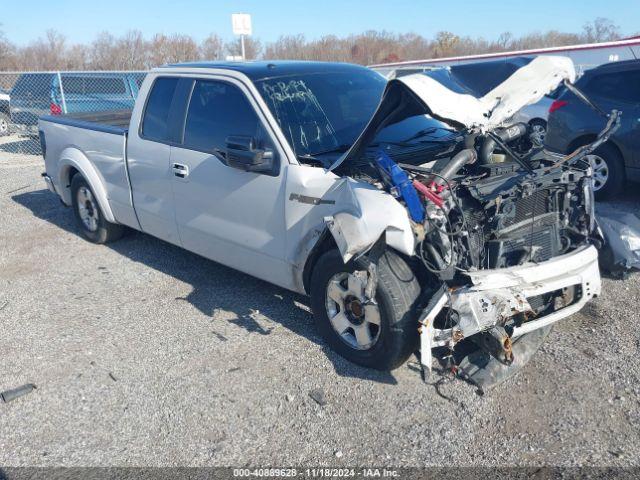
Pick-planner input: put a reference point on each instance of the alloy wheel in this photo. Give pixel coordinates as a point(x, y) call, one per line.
point(87, 209)
point(356, 321)
point(600, 171)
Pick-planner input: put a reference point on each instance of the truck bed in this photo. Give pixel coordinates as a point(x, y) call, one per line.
point(108, 121)
point(94, 143)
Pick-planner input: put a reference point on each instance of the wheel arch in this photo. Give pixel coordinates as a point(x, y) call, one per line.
point(325, 243)
point(537, 121)
point(73, 162)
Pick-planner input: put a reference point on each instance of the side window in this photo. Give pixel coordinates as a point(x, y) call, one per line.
point(216, 111)
point(156, 113)
point(621, 86)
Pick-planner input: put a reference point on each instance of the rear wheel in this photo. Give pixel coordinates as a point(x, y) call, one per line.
point(89, 216)
point(608, 171)
point(380, 334)
point(4, 125)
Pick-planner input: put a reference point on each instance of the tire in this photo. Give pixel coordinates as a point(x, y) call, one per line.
point(93, 227)
point(608, 171)
point(539, 127)
point(396, 335)
point(4, 124)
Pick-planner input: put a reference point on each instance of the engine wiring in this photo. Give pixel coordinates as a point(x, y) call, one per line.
point(449, 231)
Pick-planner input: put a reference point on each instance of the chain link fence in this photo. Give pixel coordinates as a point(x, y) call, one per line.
point(25, 96)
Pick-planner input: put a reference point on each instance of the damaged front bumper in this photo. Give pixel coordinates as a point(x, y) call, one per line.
point(497, 303)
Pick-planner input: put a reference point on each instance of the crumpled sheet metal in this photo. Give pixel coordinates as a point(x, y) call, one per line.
point(525, 86)
point(621, 251)
point(366, 213)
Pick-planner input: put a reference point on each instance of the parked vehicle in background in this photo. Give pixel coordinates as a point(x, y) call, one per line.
point(572, 124)
point(536, 116)
point(4, 112)
point(479, 78)
point(56, 93)
point(398, 207)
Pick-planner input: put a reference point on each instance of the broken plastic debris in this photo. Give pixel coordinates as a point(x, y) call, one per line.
point(9, 395)
point(484, 371)
point(318, 396)
point(621, 231)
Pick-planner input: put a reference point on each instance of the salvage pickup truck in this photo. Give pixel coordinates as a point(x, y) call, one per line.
point(412, 214)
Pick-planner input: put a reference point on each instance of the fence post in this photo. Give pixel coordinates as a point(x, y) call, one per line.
point(64, 102)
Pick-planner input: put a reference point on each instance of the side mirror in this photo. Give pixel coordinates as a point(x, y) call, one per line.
point(242, 153)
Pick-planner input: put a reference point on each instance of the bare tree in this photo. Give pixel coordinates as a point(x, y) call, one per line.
point(172, 49)
point(288, 47)
point(252, 48)
point(102, 52)
point(7, 53)
point(212, 48)
point(77, 58)
point(446, 44)
point(44, 53)
point(601, 30)
point(133, 51)
point(505, 40)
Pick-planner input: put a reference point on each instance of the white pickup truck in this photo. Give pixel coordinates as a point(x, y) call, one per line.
point(414, 215)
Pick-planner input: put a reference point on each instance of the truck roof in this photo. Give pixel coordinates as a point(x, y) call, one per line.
point(260, 70)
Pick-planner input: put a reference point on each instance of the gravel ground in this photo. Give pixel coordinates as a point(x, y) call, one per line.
point(147, 355)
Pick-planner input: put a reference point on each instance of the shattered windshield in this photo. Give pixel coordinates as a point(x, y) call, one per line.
point(323, 112)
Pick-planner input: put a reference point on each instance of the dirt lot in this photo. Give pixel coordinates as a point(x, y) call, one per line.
point(145, 354)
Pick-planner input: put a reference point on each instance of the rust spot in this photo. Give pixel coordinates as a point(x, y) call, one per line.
point(508, 352)
point(458, 335)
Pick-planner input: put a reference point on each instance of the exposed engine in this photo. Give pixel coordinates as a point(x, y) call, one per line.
point(470, 214)
point(505, 217)
point(481, 210)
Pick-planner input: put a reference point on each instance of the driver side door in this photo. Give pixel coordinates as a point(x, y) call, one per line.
point(229, 215)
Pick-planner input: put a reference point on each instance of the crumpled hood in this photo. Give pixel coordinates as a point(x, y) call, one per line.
point(421, 94)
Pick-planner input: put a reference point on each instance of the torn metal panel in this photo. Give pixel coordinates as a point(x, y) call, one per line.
point(356, 213)
point(427, 329)
point(363, 216)
point(501, 297)
point(621, 231)
point(479, 310)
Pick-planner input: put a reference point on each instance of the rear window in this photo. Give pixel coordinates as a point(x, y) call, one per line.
point(156, 113)
point(93, 85)
point(620, 86)
point(34, 83)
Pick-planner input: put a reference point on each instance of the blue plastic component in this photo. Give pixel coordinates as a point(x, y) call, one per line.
point(403, 184)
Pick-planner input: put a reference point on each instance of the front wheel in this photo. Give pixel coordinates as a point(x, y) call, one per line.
point(380, 334)
point(89, 216)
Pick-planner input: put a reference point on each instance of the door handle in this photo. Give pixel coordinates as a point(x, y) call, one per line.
point(180, 170)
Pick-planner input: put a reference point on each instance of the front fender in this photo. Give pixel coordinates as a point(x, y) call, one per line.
point(321, 205)
point(362, 215)
point(74, 158)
